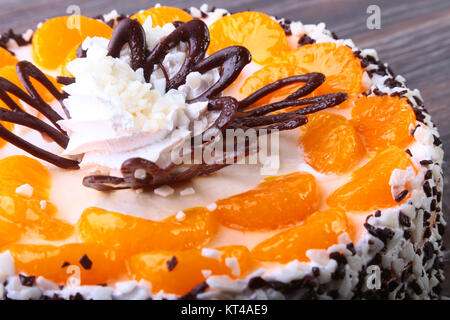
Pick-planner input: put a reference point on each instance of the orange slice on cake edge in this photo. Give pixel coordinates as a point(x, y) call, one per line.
point(354, 211)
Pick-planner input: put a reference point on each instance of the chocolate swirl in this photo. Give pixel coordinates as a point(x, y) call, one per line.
point(16, 115)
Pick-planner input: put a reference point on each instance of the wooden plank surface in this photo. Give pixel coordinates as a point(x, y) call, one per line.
point(414, 38)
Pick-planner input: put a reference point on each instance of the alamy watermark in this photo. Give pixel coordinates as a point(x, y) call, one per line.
point(374, 19)
point(74, 20)
point(373, 280)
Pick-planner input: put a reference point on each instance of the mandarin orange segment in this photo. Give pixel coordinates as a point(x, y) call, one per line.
point(369, 188)
point(259, 33)
point(8, 126)
point(187, 272)
point(9, 73)
point(54, 39)
point(274, 203)
point(51, 262)
point(383, 121)
point(131, 235)
point(72, 55)
point(6, 58)
point(32, 219)
point(162, 15)
point(28, 213)
point(9, 232)
point(19, 170)
point(330, 143)
point(341, 68)
point(320, 230)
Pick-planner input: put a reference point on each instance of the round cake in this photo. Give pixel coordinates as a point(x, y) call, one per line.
point(200, 154)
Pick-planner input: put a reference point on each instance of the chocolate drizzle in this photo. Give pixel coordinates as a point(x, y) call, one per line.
point(129, 31)
point(231, 113)
point(16, 115)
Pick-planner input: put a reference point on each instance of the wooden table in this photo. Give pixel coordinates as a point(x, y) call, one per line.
point(414, 38)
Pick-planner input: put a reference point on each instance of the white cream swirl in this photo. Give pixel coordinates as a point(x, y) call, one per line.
point(117, 115)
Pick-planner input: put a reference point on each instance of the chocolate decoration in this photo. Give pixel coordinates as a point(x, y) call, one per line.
point(232, 60)
point(228, 118)
point(17, 115)
point(313, 81)
point(65, 80)
point(232, 113)
point(131, 32)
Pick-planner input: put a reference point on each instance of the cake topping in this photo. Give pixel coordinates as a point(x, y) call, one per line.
point(133, 101)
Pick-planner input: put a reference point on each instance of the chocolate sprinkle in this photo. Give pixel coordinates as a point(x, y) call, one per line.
point(304, 40)
point(65, 264)
point(315, 271)
point(427, 189)
point(27, 281)
point(351, 247)
point(407, 234)
point(256, 283)
point(172, 263)
point(426, 162)
point(192, 295)
point(384, 234)
point(85, 262)
point(76, 296)
point(404, 220)
point(402, 195)
point(408, 152)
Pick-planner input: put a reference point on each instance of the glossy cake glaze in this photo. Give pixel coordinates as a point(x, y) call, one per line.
point(400, 246)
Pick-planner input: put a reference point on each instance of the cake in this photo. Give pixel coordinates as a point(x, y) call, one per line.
point(345, 203)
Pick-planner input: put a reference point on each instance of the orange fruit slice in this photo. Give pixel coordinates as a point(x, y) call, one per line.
point(330, 143)
point(368, 188)
point(6, 58)
point(96, 264)
point(131, 235)
point(383, 121)
point(27, 212)
point(8, 126)
point(72, 55)
point(9, 232)
point(341, 68)
point(186, 272)
point(53, 40)
point(18, 170)
point(276, 202)
point(34, 221)
point(162, 15)
point(320, 231)
point(259, 33)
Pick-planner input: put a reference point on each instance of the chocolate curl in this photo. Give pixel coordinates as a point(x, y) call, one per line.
point(131, 32)
point(196, 34)
point(17, 115)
